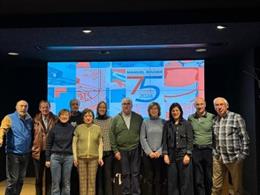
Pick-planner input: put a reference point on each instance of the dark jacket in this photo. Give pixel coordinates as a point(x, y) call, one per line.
point(76, 119)
point(177, 137)
point(41, 133)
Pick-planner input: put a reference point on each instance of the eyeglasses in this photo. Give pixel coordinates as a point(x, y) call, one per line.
point(127, 103)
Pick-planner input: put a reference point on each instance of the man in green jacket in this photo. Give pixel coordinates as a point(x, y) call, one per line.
point(124, 137)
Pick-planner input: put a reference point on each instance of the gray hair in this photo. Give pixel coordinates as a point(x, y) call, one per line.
point(225, 101)
point(44, 102)
point(127, 99)
point(74, 100)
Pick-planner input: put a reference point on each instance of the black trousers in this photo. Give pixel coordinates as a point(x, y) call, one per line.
point(105, 175)
point(40, 168)
point(202, 170)
point(117, 177)
point(152, 170)
point(16, 166)
point(180, 180)
point(130, 164)
point(74, 181)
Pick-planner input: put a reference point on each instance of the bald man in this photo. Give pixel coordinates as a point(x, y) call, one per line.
point(202, 124)
point(18, 130)
point(231, 146)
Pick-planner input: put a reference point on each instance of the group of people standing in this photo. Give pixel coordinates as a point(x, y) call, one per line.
point(194, 154)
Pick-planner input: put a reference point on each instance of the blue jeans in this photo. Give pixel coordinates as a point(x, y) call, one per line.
point(61, 165)
point(16, 166)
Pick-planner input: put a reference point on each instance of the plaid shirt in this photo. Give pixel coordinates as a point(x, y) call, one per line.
point(231, 140)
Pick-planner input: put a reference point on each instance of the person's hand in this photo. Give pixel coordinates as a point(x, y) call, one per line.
point(166, 159)
point(152, 155)
point(48, 164)
point(101, 162)
point(186, 159)
point(157, 154)
point(75, 162)
point(118, 155)
point(240, 158)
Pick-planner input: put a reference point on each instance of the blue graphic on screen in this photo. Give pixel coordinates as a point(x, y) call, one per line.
point(144, 82)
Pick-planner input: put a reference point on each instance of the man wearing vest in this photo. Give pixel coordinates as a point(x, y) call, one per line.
point(18, 129)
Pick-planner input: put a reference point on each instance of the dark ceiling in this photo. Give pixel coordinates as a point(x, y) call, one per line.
point(141, 35)
point(151, 42)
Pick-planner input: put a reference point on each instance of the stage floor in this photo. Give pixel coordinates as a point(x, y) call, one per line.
point(28, 186)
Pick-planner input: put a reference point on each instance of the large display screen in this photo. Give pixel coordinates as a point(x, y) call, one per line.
point(164, 82)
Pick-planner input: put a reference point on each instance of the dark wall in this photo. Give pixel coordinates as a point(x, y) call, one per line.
point(257, 116)
point(21, 79)
point(247, 105)
point(222, 77)
point(230, 77)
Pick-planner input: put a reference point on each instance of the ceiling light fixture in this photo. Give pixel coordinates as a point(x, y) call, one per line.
point(13, 53)
point(221, 27)
point(87, 31)
point(199, 50)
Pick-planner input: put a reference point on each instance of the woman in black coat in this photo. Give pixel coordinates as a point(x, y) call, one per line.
point(177, 151)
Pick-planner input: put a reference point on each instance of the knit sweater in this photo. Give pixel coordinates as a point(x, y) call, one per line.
point(59, 140)
point(202, 128)
point(105, 125)
point(87, 142)
point(151, 135)
point(121, 137)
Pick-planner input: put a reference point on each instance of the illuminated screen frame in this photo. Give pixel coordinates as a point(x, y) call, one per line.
point(164, 82)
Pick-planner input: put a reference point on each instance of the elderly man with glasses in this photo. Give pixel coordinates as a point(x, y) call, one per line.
point(125, 137)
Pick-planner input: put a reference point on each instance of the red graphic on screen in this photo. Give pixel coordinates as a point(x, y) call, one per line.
point(118, 77)
point(179, 77)
point(83, 65)
point(137, 86)
point(184, 77)
point(77, 80)
point(90, 86)
point(59, 90)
